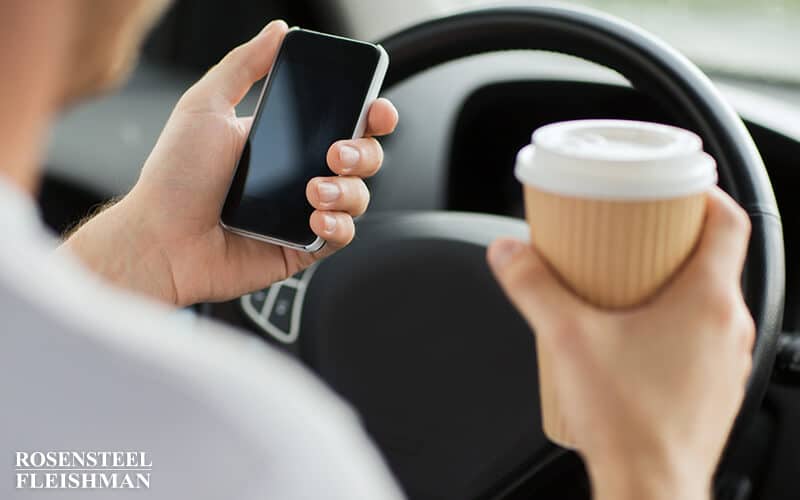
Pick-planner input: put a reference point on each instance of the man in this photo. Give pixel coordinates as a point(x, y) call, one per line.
point(87, 365)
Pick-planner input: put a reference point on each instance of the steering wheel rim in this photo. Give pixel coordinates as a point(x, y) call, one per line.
point(655, 68)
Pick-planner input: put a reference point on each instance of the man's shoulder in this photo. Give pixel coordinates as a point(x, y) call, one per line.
point(113, 333)
point(83, 365)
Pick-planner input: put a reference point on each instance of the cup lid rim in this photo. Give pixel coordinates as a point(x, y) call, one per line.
point(672, 165)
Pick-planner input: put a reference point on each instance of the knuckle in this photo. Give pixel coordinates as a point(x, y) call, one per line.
point(745, 222)
point(723, 307)
point(748, 332)
point(725, 315)
point(521, 274)
point(232, 56)
point(239, 61)
point(186, 98)
point(736, 218)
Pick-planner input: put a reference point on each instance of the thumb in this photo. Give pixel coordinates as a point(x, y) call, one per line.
point(233, 76)
point(533, 287)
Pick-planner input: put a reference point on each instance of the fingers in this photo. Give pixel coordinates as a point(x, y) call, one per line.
point(723, 245)
point(226, 83)
point(533, 288)
point(382, 118)
point(338, 199)
point(363, 157)
point(338, 194)
point(360, 157)
point(336, 228)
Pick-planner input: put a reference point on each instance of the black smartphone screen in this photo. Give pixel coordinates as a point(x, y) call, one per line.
point(313, 97)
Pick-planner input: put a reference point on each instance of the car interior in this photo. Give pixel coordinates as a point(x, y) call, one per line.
point(438, 365)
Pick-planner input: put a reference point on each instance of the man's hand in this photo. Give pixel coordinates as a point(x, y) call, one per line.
point(164, 238)
point(650, 394)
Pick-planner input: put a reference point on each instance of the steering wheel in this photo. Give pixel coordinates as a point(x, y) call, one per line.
point(408, 324)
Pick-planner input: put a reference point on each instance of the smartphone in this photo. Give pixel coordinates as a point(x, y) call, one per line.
point(319, 91)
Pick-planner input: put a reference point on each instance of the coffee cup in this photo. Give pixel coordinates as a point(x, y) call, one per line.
point(615, 207)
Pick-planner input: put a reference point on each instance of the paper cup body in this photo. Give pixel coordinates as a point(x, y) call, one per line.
point(615, 208)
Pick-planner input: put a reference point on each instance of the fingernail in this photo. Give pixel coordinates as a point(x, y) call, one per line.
point(330, 223)
point(503, 252)
point(349, 157)
point(328, 191)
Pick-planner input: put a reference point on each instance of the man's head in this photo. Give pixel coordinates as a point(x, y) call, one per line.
point(106, 36)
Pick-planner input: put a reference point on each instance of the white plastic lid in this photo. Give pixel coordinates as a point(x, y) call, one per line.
point(616, 159)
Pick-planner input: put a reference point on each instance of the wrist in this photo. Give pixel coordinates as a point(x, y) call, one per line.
point(647, 477)
point(117, 245)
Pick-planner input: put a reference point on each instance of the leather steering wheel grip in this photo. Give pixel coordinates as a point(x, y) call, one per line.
point(654, 68)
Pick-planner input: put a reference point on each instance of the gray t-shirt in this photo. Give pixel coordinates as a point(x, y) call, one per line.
point(85, 367)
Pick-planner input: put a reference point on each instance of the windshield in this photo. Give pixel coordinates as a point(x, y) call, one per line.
point(748, 38)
